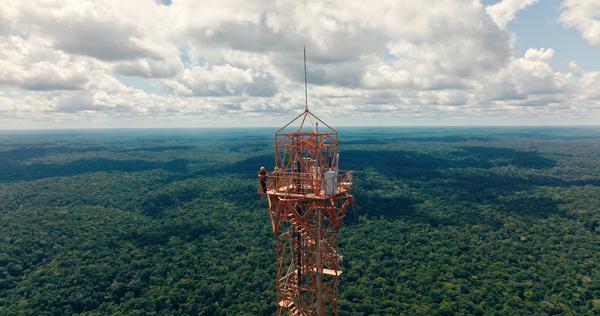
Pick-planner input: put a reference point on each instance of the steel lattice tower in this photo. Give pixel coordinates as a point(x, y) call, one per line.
point(308, 199)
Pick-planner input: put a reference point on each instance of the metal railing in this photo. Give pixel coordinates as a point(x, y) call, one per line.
point(306, 182)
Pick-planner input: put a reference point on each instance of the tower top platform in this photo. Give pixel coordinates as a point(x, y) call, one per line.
point(307, 161)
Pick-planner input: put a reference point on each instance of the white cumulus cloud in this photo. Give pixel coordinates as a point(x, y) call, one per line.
point(190, 63)
point(505, 10)
point(584, 15)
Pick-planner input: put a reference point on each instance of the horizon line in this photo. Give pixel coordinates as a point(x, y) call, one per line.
point(276, 127)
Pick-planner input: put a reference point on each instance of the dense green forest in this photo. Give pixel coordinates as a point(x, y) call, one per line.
point(161, 222)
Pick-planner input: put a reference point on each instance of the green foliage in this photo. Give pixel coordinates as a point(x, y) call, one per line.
point(462, 221)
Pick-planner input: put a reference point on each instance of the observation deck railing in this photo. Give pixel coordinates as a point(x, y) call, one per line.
point(311, 184)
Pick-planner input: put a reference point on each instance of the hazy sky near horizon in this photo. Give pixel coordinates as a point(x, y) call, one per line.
point(145, 63)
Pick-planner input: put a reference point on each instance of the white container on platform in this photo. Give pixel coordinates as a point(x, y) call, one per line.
point(330, 179)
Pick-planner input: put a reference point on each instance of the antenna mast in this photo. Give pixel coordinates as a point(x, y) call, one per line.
point(305, 87)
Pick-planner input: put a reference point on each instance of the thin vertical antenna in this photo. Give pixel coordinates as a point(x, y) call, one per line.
point(305, 88)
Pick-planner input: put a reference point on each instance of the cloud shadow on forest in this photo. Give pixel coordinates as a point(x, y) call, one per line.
point(461, 180)
point(19, 172)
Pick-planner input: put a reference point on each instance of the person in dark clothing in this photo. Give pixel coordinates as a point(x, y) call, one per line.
point(262, 176)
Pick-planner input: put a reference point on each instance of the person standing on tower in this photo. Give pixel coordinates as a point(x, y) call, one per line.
point(262, 177)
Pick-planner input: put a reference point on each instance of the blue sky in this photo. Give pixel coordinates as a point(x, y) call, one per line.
point(538, 26)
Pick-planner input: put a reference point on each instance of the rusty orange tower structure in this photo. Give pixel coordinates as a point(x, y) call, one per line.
point(308, 198)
